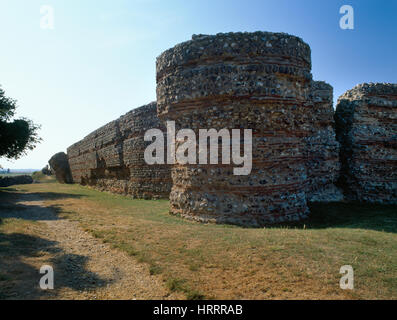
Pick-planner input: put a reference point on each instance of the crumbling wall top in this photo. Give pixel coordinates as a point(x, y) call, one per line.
point(234, 46)
point(379, 90)
point(108, 133)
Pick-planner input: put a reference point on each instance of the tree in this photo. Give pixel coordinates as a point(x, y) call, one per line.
point(17, 136)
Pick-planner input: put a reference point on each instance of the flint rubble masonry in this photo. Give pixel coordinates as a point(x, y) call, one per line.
point(260, 81)
point(112, 157)
point(323, 164)
point(60, 166)
point(366, 127)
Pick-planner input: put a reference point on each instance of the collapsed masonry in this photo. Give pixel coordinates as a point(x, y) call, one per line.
point(260, 81)
point(60, 166)
point(112, 157)
point(366, 127)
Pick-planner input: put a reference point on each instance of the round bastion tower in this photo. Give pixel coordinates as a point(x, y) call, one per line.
point(259, 81)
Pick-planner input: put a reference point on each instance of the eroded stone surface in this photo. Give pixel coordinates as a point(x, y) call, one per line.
point(60, 166)
point(323, 164)
point(366, 127)
point(112, 157)
point(260, 81)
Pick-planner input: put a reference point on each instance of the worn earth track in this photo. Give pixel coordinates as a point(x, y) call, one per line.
point(84, 267)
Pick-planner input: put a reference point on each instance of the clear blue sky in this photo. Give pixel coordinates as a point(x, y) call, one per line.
point(99, 61)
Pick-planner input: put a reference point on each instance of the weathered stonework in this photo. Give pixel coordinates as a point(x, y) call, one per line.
point(112, 157)
point(366, 127)
point(60, 166)
point(323, 164)
point(260, 81)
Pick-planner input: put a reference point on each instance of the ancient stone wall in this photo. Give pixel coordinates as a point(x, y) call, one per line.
point(323, 164)
point(112, 157)
point(60, 166)
point(366, 127)
point(260, 81)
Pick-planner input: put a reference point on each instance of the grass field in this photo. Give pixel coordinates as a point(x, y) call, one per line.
point(3, 175)
point(299, 261)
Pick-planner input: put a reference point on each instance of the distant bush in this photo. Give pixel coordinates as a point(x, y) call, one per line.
point(39, 176)
point(21, 179)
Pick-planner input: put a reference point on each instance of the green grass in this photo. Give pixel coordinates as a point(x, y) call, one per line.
point(18, 241)
point(38, 176)
point(180, 285)
point(228, 262)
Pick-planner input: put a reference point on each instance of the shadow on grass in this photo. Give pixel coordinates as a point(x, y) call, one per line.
point(20, 280)
point(350, 215)
point(12, 195)
point(14, 204)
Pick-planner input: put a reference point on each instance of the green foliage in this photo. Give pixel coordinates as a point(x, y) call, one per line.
point(16, 136)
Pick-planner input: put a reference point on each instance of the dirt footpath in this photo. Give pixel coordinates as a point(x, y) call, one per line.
point(84, 267)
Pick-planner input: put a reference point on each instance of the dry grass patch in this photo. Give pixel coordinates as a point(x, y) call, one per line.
point(299, 261)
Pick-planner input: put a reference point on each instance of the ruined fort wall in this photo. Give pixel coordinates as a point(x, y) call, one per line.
point(112, 157)
point(323, 166)
point(260, 81)
point(366, 127)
